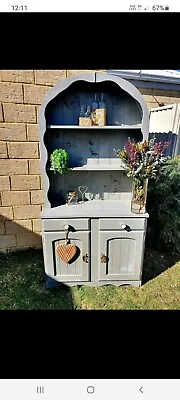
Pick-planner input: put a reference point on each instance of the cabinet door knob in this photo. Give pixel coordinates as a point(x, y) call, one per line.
point(104, 259)
point(123, 226)
point(86, 258)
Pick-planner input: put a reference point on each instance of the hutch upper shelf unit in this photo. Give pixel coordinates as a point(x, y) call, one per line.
point(109, 239)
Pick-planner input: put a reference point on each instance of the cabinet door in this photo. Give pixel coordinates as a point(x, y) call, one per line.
point(78, 269)
point(121, 255)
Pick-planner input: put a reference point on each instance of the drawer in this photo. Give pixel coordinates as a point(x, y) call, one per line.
point(117, 224)
point(58, 224)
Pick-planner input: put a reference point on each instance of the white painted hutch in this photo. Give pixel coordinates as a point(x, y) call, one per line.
point(109, 238)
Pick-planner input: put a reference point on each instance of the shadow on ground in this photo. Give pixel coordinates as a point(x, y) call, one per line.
point(22, 284)
point(156, 262)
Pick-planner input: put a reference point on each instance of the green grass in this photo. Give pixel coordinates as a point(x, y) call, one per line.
point(22, 286)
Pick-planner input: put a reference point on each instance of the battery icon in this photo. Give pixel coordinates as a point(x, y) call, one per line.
point(166, 7)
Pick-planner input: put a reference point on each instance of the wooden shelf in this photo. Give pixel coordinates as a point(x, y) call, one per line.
point(98, 168)
point(138, 126)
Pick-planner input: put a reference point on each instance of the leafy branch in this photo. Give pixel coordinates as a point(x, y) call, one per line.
point(59, 160)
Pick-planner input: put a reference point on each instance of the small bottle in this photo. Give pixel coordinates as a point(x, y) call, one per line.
point(82, 111)
point(94, 104)
point(102, 103)
point(88, 112)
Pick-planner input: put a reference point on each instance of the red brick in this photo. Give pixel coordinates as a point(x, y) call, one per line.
point(26, 212)
point(3, 150)
point(18, 226)
point(25, 182)
point(1, 113)
point(37, 113)
point(173, 100)
point(12, 132)
point(37, 226)
point(11, 93)
point(4, 183)
point(37, 197)
point(71, 72)
point(6, 213)
point(2, 228)
point(34, 167)
point(28, 239)
point(149, 99)
point(24, 76)
point(7, 241)
point(49, 77)
point(32, 133)
point(23, 150)
point(13, 167)
point(15, 198)
point(19, 113)
point(34, 94)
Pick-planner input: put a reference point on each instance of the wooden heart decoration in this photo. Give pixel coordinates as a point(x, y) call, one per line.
point(101, 116)
point(66, 251)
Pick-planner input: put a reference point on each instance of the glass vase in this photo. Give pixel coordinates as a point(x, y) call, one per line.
point(139, 196)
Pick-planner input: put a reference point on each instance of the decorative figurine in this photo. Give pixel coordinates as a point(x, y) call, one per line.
point(82, 112)
point(83, 190)
point(71, 198)
point(88, 112)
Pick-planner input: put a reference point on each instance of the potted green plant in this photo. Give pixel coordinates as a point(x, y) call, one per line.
point(59, 160)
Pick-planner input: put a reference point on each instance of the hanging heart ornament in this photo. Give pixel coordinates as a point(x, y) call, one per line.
point(66, 251)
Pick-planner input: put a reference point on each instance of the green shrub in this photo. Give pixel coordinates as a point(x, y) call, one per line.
point(163, 206)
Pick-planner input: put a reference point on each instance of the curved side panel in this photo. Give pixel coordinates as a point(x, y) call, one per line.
point(58, 88)
point(135, 93)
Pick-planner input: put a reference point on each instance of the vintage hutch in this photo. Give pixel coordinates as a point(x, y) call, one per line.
point(109, 239)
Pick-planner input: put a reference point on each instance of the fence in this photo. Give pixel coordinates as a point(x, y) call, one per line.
point(167, 137)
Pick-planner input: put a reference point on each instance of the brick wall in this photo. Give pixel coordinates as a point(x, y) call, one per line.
point(21, 93)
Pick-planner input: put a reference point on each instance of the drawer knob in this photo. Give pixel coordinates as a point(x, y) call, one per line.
point(123, 226)
point(66, 227)
point(86, 258)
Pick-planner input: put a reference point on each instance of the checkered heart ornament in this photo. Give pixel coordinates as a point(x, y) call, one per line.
point(66, 251)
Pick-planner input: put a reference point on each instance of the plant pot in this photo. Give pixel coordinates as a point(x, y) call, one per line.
point(139, 196)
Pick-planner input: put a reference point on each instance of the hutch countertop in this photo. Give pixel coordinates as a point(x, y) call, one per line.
point(93, 209)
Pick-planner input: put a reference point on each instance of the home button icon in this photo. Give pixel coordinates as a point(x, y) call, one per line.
point(90, 389)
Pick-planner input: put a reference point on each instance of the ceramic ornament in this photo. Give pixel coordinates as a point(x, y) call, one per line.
point(83, 190)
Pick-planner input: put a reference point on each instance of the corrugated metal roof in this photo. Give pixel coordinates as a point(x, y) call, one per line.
point(161, 75)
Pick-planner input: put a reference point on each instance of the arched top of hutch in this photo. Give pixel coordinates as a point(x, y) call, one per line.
point(125, 104)
point(91, 149)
